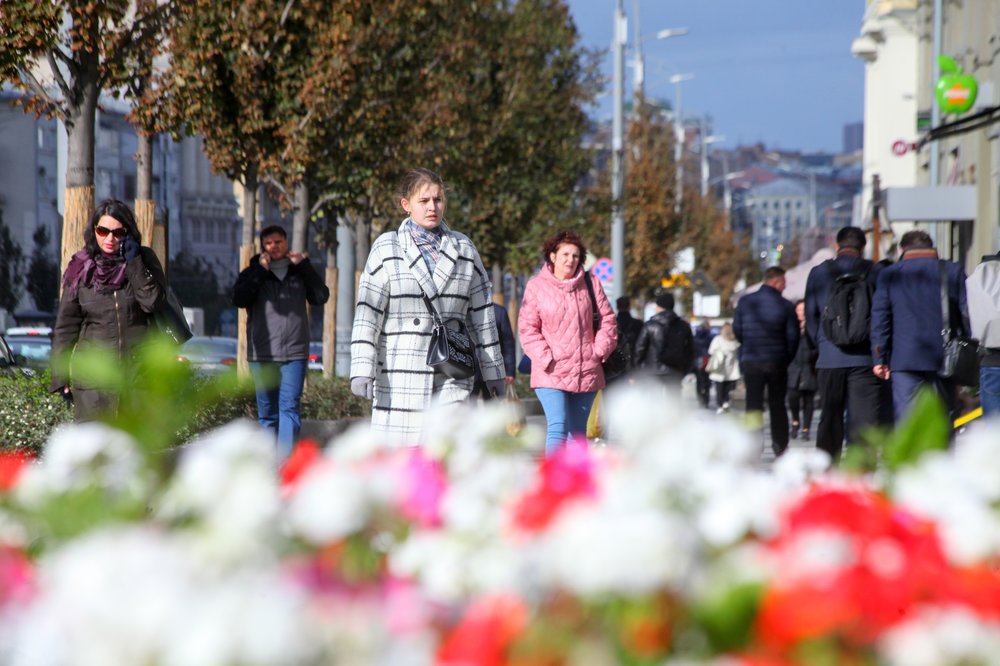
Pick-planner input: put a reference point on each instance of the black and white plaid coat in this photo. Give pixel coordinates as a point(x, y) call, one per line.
point(392, 326)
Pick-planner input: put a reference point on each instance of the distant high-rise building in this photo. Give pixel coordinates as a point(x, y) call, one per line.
point(854, 137)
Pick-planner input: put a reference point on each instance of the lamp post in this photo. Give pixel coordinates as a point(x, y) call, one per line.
point(619, 36)
point(706, 140)
point(677, 80)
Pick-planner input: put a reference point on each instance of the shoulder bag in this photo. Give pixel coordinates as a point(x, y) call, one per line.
point(450, 351)
point(170, 319)
point(961, 353)
point(618, 362)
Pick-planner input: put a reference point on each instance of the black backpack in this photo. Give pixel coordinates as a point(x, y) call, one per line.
point(846, 318)
point(677, 352)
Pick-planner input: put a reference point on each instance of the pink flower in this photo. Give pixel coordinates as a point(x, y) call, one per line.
point(423, 486)
point(565, 476)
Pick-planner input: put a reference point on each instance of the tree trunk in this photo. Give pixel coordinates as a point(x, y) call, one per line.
point(145, 207)
point(79, 194)
point(247, 250)
point(300, 219)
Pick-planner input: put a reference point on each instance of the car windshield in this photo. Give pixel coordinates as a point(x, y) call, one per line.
point(209, 347)
point(34, 349)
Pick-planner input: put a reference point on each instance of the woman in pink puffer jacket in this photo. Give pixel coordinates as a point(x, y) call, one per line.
point(556, 326)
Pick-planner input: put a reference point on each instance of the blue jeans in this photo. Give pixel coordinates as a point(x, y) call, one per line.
point(279, 391)
point(565, 415)
point(989, 390)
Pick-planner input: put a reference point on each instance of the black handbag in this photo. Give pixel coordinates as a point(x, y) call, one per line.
point(450, 351)
point(961, 353)
point(170, 319)
point(617, 364)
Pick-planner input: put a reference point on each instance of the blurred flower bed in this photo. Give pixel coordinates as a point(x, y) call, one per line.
point(670, 547)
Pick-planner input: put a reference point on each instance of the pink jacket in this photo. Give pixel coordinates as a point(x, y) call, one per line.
point(556, 328)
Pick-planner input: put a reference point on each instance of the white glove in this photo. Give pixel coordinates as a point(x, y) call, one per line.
point(363, 387)
point(496, 387)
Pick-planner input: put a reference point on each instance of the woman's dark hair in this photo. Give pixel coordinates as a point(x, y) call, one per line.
point(562, 238)
point(112, 208)
point(417, 178)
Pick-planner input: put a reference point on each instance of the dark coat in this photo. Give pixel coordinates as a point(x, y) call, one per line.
point(906, 312)
point(702, 339)
point(117, 320)
point(629, 328)
point(766, 326)
point(653, 338)
point(818, 285)
point(802, 369)
point(277, 320)
point(507, 348)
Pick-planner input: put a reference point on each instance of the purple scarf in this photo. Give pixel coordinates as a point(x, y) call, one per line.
point(105, 272)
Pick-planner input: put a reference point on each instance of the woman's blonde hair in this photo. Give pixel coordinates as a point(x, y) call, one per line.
point(417, 178)
point(727, 331)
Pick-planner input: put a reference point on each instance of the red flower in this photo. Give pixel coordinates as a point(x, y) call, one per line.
point(16, 575)
point(484, 633)
point(565, 476)
point(11, 464)
point(852, 565)
point(304, 455)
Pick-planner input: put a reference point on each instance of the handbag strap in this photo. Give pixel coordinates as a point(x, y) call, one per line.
point(945, 302)
point(434, 313)
point(593, 301)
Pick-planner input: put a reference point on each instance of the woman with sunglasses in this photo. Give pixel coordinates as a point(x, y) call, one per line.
point(109, 290)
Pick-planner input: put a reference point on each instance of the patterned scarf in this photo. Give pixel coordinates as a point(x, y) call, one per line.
point(105, 272)
point(428, 242)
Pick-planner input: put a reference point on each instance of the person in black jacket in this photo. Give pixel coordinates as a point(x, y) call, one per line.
point(768, 331)
point(802, 378)
point(110, 289)
point(628, 326)
point(665, 347)
point(274, 289)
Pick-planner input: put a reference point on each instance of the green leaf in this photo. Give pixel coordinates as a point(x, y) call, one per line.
point(925, 428)
point(947, 64)
point(727, 618)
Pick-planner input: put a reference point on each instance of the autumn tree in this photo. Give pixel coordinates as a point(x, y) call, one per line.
point(62, 54)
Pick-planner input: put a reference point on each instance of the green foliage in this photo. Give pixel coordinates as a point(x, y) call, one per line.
point(28, 412)
point(11, 269)
point(727, 619)
point(163, 403)
point(43, 272)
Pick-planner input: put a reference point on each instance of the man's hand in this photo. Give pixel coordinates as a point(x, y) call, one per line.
point(296, 257)
point(363, 387)
point(508, 379)
point(265, 261)
point(882, 371)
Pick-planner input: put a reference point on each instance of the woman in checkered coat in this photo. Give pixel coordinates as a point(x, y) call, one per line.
point(392, 322)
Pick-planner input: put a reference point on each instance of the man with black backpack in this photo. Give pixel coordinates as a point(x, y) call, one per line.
point(839, 295)
point(665, 348)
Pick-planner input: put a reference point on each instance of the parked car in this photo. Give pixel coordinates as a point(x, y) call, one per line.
point(209, 354)
point(32, 346)
point(9, 363)
point(316, 356)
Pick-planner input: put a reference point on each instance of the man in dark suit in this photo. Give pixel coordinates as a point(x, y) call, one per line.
point(768, 330)
point(907, 321)
point(507, 349)
point(843, 373)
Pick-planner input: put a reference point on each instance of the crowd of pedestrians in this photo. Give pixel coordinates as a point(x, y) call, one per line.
point(860, 344)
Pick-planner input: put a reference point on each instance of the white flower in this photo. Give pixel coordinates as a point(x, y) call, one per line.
point(226, 480)
point(331, 502)
point(139, 596)
point(78, 456)
point(941, 637)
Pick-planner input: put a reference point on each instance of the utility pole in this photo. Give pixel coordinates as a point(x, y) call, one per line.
point(679, 137)
point(617, 155)
point(935, 162)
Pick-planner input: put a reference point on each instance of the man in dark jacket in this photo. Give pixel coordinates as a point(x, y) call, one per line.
point(907, 320)
point(274, 289)
point(768, 330)
point(628, 326)
point(665, 347)
point(844, 380)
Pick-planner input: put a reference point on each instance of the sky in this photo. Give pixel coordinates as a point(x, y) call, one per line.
point(778, 72)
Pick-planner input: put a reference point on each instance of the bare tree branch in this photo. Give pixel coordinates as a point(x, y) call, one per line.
point(51, 55)
point(277, 33)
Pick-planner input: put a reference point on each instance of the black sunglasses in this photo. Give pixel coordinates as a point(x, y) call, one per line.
point(120, 232)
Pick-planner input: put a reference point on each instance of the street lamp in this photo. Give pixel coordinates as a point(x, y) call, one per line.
point(705, 142)
point(617, 153)
point(677, 80)
point(639, 64)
